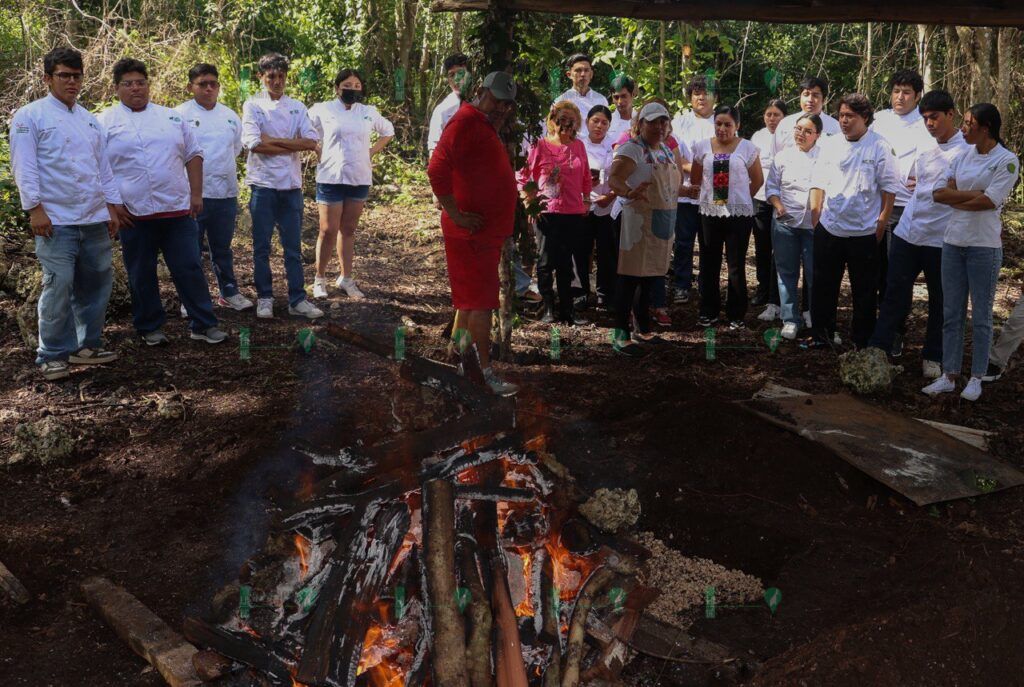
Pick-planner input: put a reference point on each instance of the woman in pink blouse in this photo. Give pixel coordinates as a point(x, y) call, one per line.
point(558, 171)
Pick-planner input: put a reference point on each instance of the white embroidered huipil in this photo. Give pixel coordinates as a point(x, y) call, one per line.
point(58, 156)
point(444, 111)
point(345, 141)
point(148, 150)
point(219, 132)
point(924, 221)
point(282, 118)
point(908, 137)
point(854, 175)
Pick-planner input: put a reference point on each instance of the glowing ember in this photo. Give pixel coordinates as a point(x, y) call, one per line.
point(302, 547)
point(525, 607)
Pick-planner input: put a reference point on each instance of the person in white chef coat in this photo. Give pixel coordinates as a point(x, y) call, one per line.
point(580, 70)
point(276, 130)
point(158, 165)
point(219, 131)
point(58, 157)
point(343, 177)
point(813, 96)
point(903, 127)
point(446, 109)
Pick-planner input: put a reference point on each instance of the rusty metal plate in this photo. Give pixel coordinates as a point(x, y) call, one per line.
point(920, 462)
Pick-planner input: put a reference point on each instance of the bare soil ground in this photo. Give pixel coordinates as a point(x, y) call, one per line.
point(875, 591)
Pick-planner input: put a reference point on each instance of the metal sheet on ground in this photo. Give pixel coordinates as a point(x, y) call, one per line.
point(920, 462)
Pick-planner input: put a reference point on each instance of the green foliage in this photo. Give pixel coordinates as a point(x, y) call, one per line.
point(13, 220)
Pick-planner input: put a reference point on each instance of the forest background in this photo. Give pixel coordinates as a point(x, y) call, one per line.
point(399, 46)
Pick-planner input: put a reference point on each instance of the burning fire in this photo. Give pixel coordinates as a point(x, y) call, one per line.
point(378, 659)
point(525, 607)
point(302, 547)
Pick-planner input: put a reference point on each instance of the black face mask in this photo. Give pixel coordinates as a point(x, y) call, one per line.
point(351, 95)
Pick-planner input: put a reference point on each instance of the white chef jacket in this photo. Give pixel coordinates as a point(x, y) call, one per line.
point(924, 221)
point(345, 140)
point(599, 158)
point(444, 111)
point(584, 103)
point(58, 156)
point(283, 118)
point(854, 174)
point(148, 150)
point(994, 173)
point(764, 140)
point(219, 132)
point(909, 137)
point(784, 131)
point(689, 130)
point(789, 178)
point(617, 127)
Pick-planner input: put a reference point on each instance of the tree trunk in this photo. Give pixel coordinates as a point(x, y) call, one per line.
point(1006, 50)
point(661, 59)
point(925, 55)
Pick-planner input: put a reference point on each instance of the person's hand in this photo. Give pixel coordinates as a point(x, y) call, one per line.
point(639, 192)
point(195, 206)
point(114, 225)
point(40, 222)
point(604, 200)
point(470, 221)
point(437, 203)
point(124, 218)
point(882, 225)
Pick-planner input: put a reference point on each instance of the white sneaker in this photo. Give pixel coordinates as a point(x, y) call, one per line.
point(972, 392)
point(837, 340)
point(498, 385)
point(305, 309)
point(771, 313)
point(942, 385)
point(789, 330)
point(236, 302)
point(265, 308)
point(319, 288)
point(348, 285)
point(184, 313)
point(930, 369)
point(807, 318)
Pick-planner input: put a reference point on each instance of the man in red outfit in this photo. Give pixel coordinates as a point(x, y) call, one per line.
point(472, 177)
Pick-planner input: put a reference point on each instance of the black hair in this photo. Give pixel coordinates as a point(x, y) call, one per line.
point(700, 83)
point(987, 115)
point(579, 57)
point(779, 104)
point(126, 65)
point(69, 57)
point(859, 103)
point(622, 81)
point(813, 119)
point(936, 101)
point(600, 109)
point(456, 60)
point(907, 77)
point(202, 69)
point(345, 73)
point(810, 82)
point(730, 111)
point(272, 62)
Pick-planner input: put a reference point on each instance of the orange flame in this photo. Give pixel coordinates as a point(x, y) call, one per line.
point(302, 546)
point(379, 657)
point(525, 607)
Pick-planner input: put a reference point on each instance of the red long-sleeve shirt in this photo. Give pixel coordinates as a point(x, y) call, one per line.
point(470, 163)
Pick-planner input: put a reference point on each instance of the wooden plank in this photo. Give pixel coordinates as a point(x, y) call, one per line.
point(147, 635)
point(13, 586)
point(976, 13)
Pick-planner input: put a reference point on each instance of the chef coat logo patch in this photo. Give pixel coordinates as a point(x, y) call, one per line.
point(175, 118)
point(1011, 168)
point(21, 129)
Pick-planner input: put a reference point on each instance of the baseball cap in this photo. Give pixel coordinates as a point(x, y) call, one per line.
point(501, 85)
point(652, 111)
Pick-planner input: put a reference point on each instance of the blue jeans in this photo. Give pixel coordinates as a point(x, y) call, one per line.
point(906, 261)
point(792, 246)
point(77, 278)
point(284, 208)
point(217, 224)
point(177, 239)
point(687, 229)
point(973, 271)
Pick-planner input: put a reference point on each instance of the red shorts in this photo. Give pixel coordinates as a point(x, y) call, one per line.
point(473, 273)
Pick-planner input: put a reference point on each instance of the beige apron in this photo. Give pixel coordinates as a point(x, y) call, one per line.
point(648, 224)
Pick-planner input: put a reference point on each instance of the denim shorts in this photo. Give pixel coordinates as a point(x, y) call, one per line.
point(332, 194)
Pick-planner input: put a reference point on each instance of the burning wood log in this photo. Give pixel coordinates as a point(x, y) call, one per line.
point(478, 649)
point(596, 583)
point(471, 492)
point(239, 646)
point(337, 628)
point(449, 631)
point(13, 586)
point(548, 607)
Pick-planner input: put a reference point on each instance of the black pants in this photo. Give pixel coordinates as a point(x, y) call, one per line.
point(557, 236)
point(832, 256)
point(767, 278)
point(599, 233)
point(884, 247)
point(733, 235)
point(625, 294)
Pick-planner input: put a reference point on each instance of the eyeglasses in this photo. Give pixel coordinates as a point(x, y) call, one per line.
point(130, 83)
point(69, 76)
point(207, 84)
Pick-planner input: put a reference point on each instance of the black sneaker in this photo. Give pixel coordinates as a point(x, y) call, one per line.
point(993, 373)
point(737, 324)
point(704, 322)
point(630, 350)
point(897, 346)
